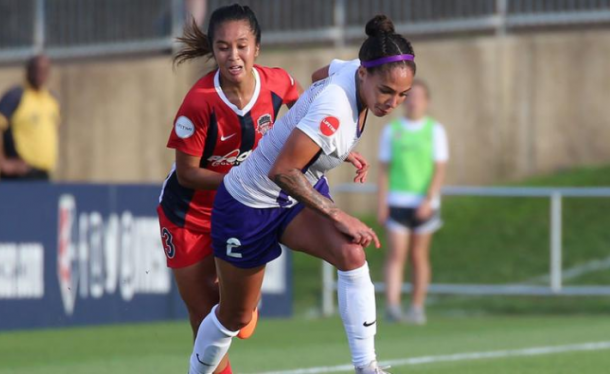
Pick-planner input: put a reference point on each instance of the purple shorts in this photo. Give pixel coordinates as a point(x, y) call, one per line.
point(249, 237)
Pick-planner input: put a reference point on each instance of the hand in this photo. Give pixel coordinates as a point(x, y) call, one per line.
point(14, 166)
point(361, 164)
point(355, 229)
point(383, 212)
point(424, 211)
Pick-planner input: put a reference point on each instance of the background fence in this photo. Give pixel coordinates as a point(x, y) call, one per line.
point(68, 28)
point(534, 286)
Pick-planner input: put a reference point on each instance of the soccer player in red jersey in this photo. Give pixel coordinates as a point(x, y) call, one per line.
point(220, 122)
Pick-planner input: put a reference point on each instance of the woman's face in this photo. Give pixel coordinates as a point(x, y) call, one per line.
point(235, 50)
point(385, 89)
point(416, 104)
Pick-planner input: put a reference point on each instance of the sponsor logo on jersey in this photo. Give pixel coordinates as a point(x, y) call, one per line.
point(223, 138)
point(264, 124)
point(235, 157)
point(184, 128)
point(329, 125)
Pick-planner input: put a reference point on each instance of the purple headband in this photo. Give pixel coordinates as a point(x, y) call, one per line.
point(387, 60)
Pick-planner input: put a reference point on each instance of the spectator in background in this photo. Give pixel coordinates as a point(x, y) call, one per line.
point(413, 153)
point(29, 122)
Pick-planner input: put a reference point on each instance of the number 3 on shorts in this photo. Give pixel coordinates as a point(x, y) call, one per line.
point(233, 243)
point(168, 245)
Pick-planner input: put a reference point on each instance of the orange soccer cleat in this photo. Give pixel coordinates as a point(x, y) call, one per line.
point(248, 331)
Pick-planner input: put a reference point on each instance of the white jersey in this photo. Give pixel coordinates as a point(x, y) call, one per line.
point(328, 113)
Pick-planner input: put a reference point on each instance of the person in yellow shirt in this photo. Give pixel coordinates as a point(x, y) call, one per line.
point(29, 123)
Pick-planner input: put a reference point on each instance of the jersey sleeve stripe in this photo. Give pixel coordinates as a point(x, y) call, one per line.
point(277, 104)
point(248, 135)
point(176, 201)
point(210, 141)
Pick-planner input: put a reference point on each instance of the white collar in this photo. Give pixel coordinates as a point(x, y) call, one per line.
point(247, 108)
point(413, 125)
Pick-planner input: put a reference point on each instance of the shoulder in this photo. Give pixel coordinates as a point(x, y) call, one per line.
point(54, 94)
point(201, 95)
point(274, 75)
point(335, 97)
point(337, 65)
point(13, 94)
point(439, 129)
point(386, 131)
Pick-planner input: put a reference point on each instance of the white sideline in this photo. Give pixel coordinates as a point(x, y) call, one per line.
point(534, 351)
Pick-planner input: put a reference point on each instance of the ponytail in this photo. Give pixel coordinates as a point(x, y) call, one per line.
point(195, 44)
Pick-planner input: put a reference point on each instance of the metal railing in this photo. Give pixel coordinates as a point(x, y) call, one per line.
point(80, 28)
point(73, 28)
point(555, 285)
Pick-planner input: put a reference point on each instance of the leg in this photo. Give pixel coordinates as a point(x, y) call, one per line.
point(198, 287)
point(421, 274)
point(398, 238)
point(239, 294)
point(313, 234)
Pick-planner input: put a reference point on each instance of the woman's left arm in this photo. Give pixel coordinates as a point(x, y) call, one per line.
point(425, 209)
point(441, 156)
point(437, 180)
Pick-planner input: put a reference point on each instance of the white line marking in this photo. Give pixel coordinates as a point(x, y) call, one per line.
point(534, 351)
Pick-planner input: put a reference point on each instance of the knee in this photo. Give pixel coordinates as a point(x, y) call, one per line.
point(199, 307)
point(419, 257)
point(349, 257)
point(198, 312)
point(235, 320)
point(396, 257)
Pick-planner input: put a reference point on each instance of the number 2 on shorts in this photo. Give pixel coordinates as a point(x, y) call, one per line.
point(231, 244)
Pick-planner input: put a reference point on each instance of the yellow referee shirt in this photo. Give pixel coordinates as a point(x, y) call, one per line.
point(29, 120)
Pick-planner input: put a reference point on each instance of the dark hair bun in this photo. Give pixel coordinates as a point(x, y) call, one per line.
point(379, 25)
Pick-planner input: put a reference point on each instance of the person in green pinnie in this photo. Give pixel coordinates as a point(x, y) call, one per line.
point(413, 155)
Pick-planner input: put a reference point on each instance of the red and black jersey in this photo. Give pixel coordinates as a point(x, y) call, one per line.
point(207, 125)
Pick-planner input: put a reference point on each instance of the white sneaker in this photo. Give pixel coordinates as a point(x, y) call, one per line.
point(371, 368)
point(393, 314)
point(416, 317)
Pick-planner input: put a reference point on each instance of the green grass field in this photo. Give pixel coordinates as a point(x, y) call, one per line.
point(286, 345)
point(484, 240)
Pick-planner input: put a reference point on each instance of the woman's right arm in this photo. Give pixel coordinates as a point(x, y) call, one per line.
point(287, 173)
point(191, 175)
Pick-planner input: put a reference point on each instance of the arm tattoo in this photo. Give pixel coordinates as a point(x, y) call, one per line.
point(297, 186)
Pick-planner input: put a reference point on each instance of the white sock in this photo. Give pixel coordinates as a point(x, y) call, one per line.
point(357, 309)
point(211, 345)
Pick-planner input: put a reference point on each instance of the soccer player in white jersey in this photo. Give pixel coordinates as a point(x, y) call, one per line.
point(280, 195)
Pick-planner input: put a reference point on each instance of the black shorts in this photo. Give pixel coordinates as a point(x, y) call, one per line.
point(405, 219)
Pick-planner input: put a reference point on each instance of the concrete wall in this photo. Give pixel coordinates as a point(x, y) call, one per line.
point(512, 107)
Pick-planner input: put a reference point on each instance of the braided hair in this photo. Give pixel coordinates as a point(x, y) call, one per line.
point(383, 41)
